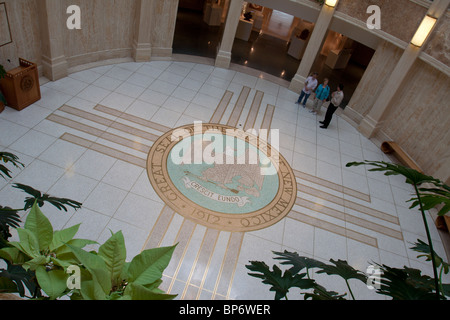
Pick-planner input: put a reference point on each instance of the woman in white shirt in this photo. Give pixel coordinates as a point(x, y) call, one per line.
point(336, 99)
point(310, 85)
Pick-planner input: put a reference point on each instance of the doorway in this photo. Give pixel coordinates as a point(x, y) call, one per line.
point(199, 27)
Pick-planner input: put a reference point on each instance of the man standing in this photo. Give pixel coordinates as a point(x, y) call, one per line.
point(336, 100)
point(310, 85)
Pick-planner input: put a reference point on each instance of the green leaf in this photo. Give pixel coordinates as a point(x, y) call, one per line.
point(28, 243)
point(35, 263)
point(13, 255)
point(423, 247)
point(412, 176)
point(139, 292)
point(7, 286)
point(37, 196)
point(342, 269)
point(298, 263)
point(79, 243)
point(114, 253)
point(148, 266)
point(53, 283)
point(321, 294)
point(100, 287)
point(60, 238)
point(6, 157)
point(21, 278)
point(40, 226)
point(9, 218)
point(280, 283)
point(406, 284)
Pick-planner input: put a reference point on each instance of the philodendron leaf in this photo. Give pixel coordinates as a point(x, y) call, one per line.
point(344, 270)
point(53, 282)
point(298, 263)
point(148, 266)
point(406, 284)
point(114, 253)
point(41, 199)
point(412, 176)
point(320, 293)
point(100, 287)
point(40, 226)
point(280, 283)
point(423, 247)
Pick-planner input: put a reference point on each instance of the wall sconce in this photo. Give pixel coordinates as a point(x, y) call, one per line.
point(331, 3)
point(424, 31)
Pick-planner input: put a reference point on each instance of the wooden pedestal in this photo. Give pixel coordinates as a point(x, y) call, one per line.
point(21, 85)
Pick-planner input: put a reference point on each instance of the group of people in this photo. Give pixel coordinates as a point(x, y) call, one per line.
point(322, 94)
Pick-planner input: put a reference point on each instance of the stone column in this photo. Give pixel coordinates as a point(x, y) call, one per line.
point(223, 58)
point(142, 48)
point(374, 119)
point(164, 19)
point(54, 61)
point(314, 45)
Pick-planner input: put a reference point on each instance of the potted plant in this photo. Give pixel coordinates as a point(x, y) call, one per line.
point(2, 97)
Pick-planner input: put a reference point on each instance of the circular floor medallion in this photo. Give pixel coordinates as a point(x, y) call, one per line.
point(221, 177)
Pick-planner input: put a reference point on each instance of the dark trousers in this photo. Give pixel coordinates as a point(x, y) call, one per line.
point(330, 112)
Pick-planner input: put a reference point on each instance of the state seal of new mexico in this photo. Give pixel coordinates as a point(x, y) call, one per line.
point(222, 177)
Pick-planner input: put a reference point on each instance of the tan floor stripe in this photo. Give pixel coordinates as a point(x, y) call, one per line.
point(105, 150)
point(268, 116)
point(238, 107)
point(332, 186)
point(160, 228)
point(183, 239)
point(132, 118)
point(222, 107)
point(253, 114)
point(86, 115)
point(327, 226)
point(346, 203)
point(99, 133)
point(225, 278)
point(109, 123)
point(349, 218)
point(200, 266)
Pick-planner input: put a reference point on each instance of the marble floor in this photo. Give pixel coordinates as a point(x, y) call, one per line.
point(88, 139)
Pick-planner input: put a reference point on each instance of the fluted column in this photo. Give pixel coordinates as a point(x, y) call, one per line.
point(54, 61)
point(314, 46)
point(223, 58)
point(374, 119)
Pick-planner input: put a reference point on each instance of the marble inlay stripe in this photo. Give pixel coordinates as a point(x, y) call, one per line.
point(238, 107)
point(332, 186)
point(104, 150)
point(183, 238)
point(349, 218)
point(99, 133)
point(327, 226)
point(222, 107)
point(253, 114)
point(109, 123)
point(86, 115)
point(224, 280)
point(160, 228)
point(268, 116)
point(200, 267)
point(132, 118)
point(346, 203)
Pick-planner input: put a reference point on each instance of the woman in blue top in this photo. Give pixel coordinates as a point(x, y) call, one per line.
point(322, 94)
